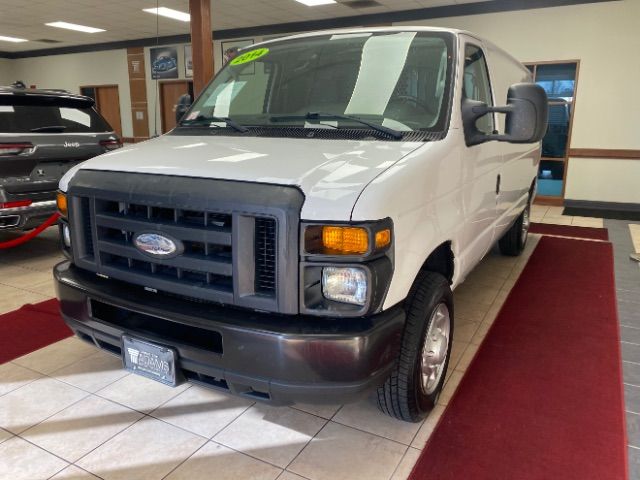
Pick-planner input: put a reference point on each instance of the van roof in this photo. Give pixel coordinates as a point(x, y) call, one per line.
point(400, 28)
point(344, 31)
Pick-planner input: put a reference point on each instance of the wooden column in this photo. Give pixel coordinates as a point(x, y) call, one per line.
point(201, 43)
point(138, 88)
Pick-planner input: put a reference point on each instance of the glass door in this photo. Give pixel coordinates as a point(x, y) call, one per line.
point(559, 80)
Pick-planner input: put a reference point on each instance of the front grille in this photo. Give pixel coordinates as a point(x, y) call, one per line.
point(227, 236)
point(204, 267)
point(205, 264)
point(86, 223)
point(205, 236)
point(265, 243)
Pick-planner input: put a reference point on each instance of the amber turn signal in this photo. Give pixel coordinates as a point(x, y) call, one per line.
point(61, 201)
point(383, 238)
point(345, 240)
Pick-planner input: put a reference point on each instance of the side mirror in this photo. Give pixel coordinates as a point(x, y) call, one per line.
point(183, 105)
point(526, 110)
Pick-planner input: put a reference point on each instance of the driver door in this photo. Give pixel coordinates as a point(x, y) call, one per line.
point(482, 162)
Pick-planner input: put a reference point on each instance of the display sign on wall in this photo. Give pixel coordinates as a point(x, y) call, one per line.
point(164, 62)
point(188, 61)
point(230, 50)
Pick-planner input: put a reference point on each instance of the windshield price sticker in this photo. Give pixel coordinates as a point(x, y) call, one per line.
point(251, 56)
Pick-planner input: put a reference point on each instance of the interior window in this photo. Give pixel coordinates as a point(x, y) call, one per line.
point(476, 84)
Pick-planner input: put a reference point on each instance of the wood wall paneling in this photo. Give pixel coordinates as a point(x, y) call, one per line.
point(138, 89)
point(614, 153)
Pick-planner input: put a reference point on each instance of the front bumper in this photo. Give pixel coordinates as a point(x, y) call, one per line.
point(25, 218)
point(277, 358)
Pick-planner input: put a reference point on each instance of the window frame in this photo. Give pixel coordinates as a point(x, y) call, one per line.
point(553, 200)
point(490, 83)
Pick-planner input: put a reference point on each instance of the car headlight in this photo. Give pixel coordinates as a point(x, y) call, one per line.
point(345, 268)
point(345, 284)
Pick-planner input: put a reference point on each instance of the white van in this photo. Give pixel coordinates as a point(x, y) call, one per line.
point(298, 236)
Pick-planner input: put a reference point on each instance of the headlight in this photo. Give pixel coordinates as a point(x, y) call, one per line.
point(66, 235)
point(346, 285)
point(345, 268)
point(61, 201)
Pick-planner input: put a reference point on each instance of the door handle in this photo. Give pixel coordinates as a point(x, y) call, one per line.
point(498, 185)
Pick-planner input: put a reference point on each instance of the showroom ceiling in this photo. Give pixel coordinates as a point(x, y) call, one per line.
point(125, 19)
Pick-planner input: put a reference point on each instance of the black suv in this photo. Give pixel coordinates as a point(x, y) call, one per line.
point(43, 133)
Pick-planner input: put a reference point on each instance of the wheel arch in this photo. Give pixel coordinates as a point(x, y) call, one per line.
point(533, 189)
point(441, 260)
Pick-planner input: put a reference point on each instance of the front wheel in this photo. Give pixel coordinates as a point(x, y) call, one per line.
point(412, 390)
point(514, 240)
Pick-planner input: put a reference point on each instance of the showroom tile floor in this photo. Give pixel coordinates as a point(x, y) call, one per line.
point(68, 411)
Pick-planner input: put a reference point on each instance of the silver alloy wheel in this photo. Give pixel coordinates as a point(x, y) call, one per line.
point(436, 348)
point(526, 223)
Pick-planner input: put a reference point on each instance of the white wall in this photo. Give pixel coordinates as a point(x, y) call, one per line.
point(71, 71)
point(604, 37)
point(611, 180)
point(6, 74)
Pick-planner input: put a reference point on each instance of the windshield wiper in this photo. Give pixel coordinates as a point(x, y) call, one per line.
point(211, 118)
point(50, 128)
point(338, 116)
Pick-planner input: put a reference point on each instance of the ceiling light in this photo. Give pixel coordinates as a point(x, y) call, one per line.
point(169, 13)
point(12, 39)
point(73, 26)
point(315, 3)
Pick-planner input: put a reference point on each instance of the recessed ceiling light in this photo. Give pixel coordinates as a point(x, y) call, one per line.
point(315, 3)
point(170, 13)
point(73, 26)
point(12, 39)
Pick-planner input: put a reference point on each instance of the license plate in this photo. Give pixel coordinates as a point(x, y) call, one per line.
point(149, 360)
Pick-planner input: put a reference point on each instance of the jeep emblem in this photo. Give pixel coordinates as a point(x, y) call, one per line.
point(71, 144)
point(157, 245)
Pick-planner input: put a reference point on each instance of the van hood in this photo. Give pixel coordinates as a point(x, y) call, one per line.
point(330, 173)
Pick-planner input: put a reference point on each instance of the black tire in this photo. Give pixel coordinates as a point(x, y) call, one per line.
point(402, 395)
point(514, 240)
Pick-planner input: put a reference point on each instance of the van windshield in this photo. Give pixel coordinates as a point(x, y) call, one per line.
point(398, 80)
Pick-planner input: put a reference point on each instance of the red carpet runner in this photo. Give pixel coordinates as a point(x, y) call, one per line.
point(30, 328)
point(570, 231)
point(543, 397)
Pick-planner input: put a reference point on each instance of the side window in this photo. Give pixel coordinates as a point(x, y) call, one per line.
point(476, 84)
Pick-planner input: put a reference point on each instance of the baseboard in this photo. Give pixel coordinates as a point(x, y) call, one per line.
point(612, 210)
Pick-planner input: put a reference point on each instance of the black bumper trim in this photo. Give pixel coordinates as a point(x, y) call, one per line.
point(270, 357)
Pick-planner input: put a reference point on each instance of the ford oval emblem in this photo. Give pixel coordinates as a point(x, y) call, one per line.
point(157, 245)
